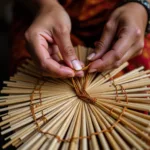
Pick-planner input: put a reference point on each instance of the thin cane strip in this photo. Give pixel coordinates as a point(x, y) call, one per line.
point(25, 114)
point(63, 129)
point(122, 120)
point(46, 103)
point(111, 78)
point(133, 117)
point(74, 139)
point(45, 145)
point(19, 85)
point(138, 78)
point(30, 119)
point(128, 91)
point(130, 74)
point(139, 114)
point(71, 130)
point(111, 74)
point(107, 130)
point(46, 99)
point(116, 136)
point(140, 126)
point(119, 129)
point(123, 91)
point(140, 107)
point(110, 139)
point(135, 84)
point(131, 95)
point(55, 128)
point(25, 71)
point(34, 117)
point(46, 127)
point(93, 141)
point(31, 69)
point(84, 142)
point(101, 136)
point(24, 78)
point(33, 127)
point(17, 143)
point(130, 99)
point(137, 140)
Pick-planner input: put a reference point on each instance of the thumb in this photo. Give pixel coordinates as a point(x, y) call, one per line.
point(105, 41)
point(62, 39)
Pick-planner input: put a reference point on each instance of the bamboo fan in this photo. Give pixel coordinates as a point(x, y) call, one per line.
point(95, 112)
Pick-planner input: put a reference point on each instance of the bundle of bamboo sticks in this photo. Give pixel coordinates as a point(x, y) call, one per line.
point(49, 114)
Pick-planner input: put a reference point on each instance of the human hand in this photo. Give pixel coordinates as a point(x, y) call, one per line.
point(48, 36)
point(126, 24)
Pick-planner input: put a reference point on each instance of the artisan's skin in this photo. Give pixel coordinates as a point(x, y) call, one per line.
point(50, 33)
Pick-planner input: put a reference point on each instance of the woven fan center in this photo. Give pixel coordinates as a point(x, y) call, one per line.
point(82, 93)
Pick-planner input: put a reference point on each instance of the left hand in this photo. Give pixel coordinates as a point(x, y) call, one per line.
point(127, 24)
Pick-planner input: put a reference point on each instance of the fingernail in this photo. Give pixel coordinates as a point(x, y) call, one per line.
point(91, 56)
point(92, 70)
point(76, 65)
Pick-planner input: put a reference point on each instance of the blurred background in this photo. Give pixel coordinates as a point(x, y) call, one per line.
point(5, 23)
point(5, 44)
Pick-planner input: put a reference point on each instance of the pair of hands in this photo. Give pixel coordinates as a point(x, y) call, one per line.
point(49, 35)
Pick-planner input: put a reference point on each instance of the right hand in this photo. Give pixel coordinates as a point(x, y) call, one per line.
point(49, 35)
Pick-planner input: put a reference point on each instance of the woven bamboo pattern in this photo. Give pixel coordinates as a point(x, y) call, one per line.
point(98, 111)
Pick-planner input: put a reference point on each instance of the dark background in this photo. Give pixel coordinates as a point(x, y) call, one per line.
point(5, 25)
point(5, 45)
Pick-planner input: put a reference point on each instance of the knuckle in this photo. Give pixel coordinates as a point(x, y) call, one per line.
point(58, 74)
point(141, 45)
point(140, 52)
point(117, 64)
point(123, 32)
point(61, 29)
point(103, 65)
point(137, 32)
point(99, 44)
point(27, 35)
point(109, 26)
point(69, 51)
point(42, 65)
point(118, 55)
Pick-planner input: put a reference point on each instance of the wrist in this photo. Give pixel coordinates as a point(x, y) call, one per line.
point(142, 6)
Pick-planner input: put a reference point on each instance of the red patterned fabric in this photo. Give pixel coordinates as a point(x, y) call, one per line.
point(88, 18)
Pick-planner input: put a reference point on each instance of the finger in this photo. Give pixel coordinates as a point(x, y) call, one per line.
point(134, 51)
point(56, 55)
point(105, 41)
point(127, 38)
point(40, 52)
point(62, 38)
point(80, 73)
